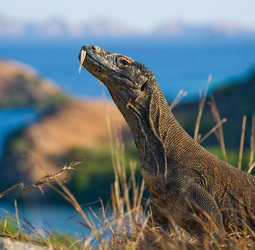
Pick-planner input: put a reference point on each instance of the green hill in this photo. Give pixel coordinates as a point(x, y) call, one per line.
point(20, 86)
point(233, 100)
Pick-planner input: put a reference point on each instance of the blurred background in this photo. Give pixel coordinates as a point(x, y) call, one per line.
point(50, 114)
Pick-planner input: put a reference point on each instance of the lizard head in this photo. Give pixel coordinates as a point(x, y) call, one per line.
point(125, 78)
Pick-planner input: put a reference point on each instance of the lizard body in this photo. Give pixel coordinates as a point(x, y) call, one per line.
point(186, 182)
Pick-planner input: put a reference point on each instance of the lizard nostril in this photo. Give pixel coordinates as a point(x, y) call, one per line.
point(93, 48)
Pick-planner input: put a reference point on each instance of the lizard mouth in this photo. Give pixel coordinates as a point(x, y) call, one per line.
point(90, 61)
point(86, 58)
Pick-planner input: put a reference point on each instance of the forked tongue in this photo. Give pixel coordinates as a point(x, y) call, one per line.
point(82, 58)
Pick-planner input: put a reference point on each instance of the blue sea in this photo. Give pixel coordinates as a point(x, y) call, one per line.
point(52, 217)
point(13, 119)
point(177, 63)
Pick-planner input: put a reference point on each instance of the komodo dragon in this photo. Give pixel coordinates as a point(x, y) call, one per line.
point(186, 182)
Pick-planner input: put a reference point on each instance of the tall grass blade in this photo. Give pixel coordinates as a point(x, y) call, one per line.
point(218, 133)
point(201, 108)
point(17, 216)
point(219, 124)
point(252, 140)
point(181, 94)
point(251, 168)
point(242, 143)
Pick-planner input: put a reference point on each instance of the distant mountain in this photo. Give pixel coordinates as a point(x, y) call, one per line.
point(60, 28)
point(181, 29)
point(108, 27)
point(10, 28)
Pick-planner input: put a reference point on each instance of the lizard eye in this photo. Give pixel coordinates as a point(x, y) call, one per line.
point(124, 62)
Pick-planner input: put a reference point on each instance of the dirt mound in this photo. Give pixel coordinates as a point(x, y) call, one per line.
point(38, 150)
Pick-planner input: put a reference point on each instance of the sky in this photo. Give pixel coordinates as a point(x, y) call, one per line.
point(143, 15)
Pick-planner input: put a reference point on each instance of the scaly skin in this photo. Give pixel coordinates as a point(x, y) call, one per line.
point(187, 183)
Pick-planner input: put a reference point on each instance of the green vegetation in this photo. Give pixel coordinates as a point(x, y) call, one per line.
point(16, 143)
point(95, 171)
point(8, 225)
point(52, 102)
point(17, 102)
point(19, 145)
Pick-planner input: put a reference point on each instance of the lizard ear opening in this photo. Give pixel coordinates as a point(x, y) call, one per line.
point(144, 85)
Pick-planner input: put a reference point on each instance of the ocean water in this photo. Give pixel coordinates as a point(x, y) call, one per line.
point(12, 119)
point(52, 217)
point(176, 63)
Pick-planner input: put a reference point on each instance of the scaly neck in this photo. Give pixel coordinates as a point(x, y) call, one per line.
point(166, 142)
point(159, 138)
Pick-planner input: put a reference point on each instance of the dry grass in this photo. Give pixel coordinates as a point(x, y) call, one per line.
point(127, 222)
point(242, 143)
point(219, 132)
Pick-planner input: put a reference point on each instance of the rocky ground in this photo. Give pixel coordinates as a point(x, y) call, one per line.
point(7, 244)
